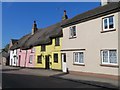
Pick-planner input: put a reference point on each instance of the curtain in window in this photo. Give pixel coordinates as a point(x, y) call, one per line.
point(105, 24)
point(74, 31)
point(111, 22)
point(80, 57)
point(105, 56)
point(30, 60)
point(113, 56)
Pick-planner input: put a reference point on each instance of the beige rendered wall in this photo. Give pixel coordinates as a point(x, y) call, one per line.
point(90, 38)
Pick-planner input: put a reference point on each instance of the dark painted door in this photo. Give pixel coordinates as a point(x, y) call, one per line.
point(47, 62)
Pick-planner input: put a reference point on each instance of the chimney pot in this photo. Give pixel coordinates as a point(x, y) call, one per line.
point(64, 16)
point(34, 28)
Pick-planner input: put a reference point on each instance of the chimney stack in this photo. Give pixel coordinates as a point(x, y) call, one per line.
point(64, 16)
point(34, 28)
point(104, 2)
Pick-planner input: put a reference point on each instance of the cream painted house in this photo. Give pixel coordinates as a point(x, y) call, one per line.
point(90, 42)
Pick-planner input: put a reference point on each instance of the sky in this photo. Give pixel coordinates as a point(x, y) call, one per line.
point(18, 17)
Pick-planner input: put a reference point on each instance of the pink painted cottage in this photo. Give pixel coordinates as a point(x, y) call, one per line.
point(25, 55)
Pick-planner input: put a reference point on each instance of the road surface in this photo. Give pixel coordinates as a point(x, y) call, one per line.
point(15, 78)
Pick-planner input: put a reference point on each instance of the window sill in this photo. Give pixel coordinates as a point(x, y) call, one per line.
point(109, 65)
point(39, 63)
point(79, 64)
point(72, 37)
point(42, 51)
point(57, 45)
point(108, 31)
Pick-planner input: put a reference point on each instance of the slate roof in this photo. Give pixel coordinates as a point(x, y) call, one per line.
point(92, 14)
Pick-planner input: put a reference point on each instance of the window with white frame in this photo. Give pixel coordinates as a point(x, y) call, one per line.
point(109, 56)
point(108, 23)
point(72, 31)
point(78, 57)
point(30, 59)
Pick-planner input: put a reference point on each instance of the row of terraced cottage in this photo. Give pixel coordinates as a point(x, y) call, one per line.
point(86, 44)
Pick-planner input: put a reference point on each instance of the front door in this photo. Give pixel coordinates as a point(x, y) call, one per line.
point(64, 66)
point(47, 62)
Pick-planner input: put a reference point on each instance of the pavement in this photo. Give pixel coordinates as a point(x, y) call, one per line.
point(99, 82)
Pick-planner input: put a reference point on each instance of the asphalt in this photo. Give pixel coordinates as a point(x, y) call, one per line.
point(48, 79)
point(31, 81)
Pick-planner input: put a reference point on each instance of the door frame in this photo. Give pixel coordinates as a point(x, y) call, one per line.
point(63, 61)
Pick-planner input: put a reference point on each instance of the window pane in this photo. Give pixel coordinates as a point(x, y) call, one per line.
point(105, 56)
point(74, 31)
point(105, 24)
point(111, 23)
point(80, 57)
point(71, 33)
point(57, 42)
point(39, 59)
point(76, 57)
point(30, 59)
point(113, 56)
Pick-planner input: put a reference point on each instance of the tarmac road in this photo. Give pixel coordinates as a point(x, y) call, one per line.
point(18, 79)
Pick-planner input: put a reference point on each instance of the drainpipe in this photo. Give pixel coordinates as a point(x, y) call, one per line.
point(25, 59)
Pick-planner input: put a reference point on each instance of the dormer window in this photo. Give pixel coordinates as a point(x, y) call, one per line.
point(73, 32)
point(108, 23)
point(57, 41)
point(43, 48)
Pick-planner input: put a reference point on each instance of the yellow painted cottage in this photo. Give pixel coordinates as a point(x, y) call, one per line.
point(47, 44)
point(49, 56)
